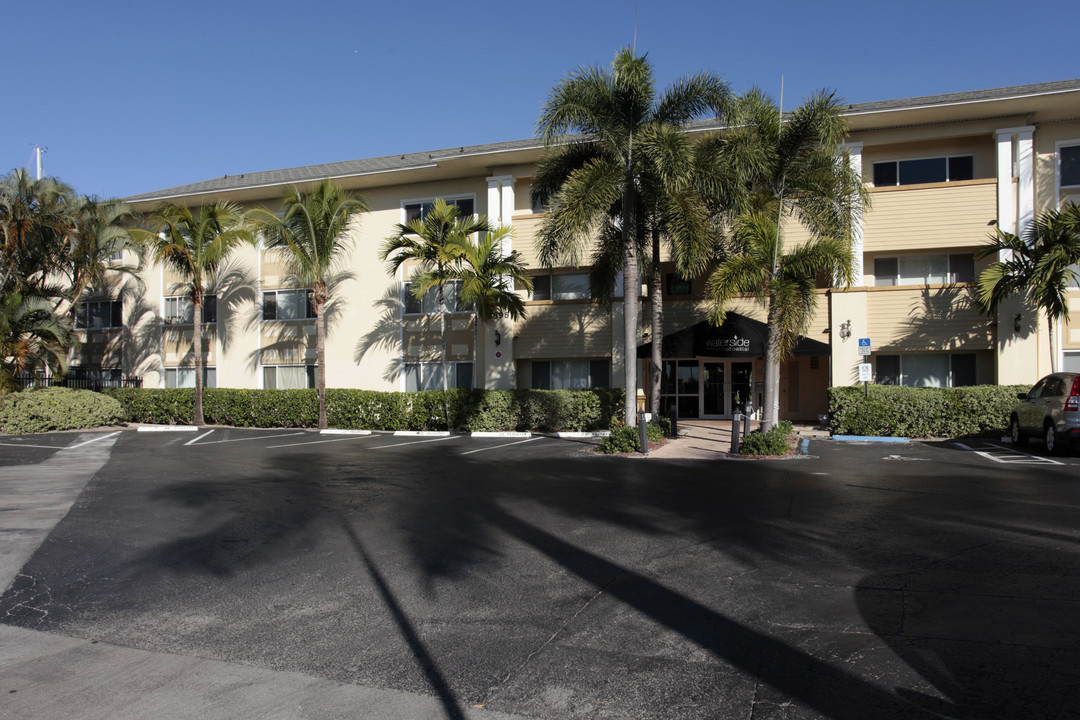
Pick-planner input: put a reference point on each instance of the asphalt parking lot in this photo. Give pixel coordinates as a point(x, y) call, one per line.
point(255, 573)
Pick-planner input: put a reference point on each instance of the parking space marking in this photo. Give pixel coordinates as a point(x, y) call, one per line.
point(317, 442)
point(1008, 456)
point(93, 440)
point(411, 442)
point(496, 447)
point(243, 439)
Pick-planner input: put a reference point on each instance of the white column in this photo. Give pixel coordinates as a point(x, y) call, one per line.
point(1025, 169)
point(494, 199)
point(497, 364)
point(855, 160)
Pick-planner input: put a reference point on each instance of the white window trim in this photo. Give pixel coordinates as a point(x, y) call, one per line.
point(1057, 166)
point(262, 304)
point(915, 159)
point(264, 366)
point(949, 271)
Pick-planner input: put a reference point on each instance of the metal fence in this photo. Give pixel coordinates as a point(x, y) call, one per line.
point(79, 382)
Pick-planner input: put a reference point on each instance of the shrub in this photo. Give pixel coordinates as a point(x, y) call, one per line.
point(774, 442)
point(56, 409)
point(624, 438)
point(922, 412)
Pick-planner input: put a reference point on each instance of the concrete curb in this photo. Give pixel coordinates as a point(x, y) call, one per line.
point(589, 434)
point(506, 434)
point(421, 433)
point(336, 431)
point(167, 428)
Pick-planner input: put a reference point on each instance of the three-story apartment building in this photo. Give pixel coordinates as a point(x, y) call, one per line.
point(943, 171)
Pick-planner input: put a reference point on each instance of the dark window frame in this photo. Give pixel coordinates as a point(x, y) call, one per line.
point(890, 173)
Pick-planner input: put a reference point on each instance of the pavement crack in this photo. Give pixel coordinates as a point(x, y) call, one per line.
point(521, 666)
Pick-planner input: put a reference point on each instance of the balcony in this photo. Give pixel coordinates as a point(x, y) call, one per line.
point(928, 318)
point(933, 216)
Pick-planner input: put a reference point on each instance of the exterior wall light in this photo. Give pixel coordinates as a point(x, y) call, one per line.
point(1016, 322)
point(498, 338)
point(845, 330)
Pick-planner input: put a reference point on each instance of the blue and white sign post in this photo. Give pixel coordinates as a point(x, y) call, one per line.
point(865, 369)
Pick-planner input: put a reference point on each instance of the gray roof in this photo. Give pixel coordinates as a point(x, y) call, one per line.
point(417, 160)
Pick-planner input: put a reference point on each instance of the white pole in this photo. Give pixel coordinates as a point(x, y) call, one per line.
point(37, 151)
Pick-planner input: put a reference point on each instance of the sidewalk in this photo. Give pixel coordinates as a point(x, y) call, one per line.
point(711, 439)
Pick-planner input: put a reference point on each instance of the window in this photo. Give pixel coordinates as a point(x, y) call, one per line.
point(675, 285)
point(184, 377)
point(429, 303)
point(178, 310)
point(924, 269)
point(926, 369)
point(108, 377)
point(570, 374)
point(418, 210)
point(287, 305)
point(97, 314)
point(428, 376)
point(924, 170)
point(1072, 362)
point(572, 286)
point(1069, 168)
point(288, 377)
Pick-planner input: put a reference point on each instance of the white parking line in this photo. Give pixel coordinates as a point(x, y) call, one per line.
point(93, 440)
point(243, 439)
point(317, 442)
point(189, 442)
point(1008, 456)
point(496, 447)
point(413, 442)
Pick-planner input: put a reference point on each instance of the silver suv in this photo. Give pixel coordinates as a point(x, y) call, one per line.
point(1050, 410)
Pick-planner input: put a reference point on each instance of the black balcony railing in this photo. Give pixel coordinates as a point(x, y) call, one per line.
point(80, 382)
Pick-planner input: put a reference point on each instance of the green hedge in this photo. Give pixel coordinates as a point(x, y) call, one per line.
point(922, 412)
point(470, 410)
point(627, 438)
point(45, 409)
point(774, 442)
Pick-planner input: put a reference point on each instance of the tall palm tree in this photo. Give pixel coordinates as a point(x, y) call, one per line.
point(97, 239)
point(195, 244)
point(436, 242)
point(36, 217)
point(488, 281)
point(1039, 265)
point(793, 170)
point(312, 238)
point(620, 123)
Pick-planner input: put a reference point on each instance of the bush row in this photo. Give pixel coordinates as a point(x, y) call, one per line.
point(470, 410)
point(922, 412)
point(46, 409)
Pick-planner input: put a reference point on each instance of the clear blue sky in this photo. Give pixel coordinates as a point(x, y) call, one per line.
point(131, 97)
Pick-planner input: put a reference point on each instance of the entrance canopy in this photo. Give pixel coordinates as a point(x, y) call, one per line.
point(739, 336)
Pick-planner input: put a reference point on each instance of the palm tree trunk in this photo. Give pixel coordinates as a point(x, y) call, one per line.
point(442, 338)
point(656, 297)
point(1050, 331)
point(320, 358)
point(196, 341)
point(772, 379)
point(630, 304)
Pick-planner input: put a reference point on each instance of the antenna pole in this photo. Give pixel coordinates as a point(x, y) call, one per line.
point(38, 151)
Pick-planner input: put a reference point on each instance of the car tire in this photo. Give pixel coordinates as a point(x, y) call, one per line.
point(1019, 439)
point(1053, 447)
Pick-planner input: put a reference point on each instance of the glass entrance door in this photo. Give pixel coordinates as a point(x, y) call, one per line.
point(712, 389)
point(742, 386)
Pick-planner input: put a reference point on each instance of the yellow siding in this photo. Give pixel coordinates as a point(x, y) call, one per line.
point(101, 348)
point(422, 341)
point(931, 318)
point(1070, 333)
point(563, 330)
point(288, 342)
point(177, 344)
point(272, 271)
point(930, 217)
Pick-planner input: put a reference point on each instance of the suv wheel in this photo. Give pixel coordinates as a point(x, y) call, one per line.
point(1019, 439)
point(1052, 446)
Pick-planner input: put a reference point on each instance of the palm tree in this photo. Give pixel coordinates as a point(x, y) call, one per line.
point(793, 170)
point(194, 245)
point(98, 238)
point(1040, 266)
point(488, 280)
point(437, 242)
point(32, 334)
point(36, 217)
point(312, 237)
point(622, 125)
point(783, 281)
